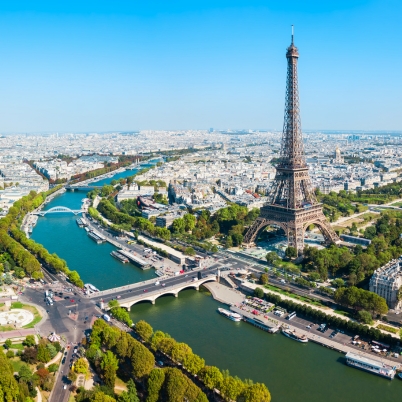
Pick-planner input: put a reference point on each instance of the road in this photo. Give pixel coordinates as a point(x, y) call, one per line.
point(148, 288)
point(60, 394)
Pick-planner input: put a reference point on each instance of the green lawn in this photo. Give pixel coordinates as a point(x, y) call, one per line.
point(341, 312)
point(18, 346)
point(17, 363)
point(17, 305)
point(5, 328)
point(295, 296)
point(34, 311)
point(387, 328)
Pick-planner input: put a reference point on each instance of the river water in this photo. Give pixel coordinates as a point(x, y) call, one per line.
point(292, 371)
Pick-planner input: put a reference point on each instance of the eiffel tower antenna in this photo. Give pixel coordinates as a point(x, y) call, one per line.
point(292, 204)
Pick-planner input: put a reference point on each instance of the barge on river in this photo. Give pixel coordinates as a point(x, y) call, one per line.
point(97, 237)
point(119, 256)
point(294, 335)
point(260, 321)
point(371, 365)
point(228, 314)
point(135, 259)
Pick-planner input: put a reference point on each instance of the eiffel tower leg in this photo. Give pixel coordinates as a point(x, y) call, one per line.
point(296, 238)
point(253, 230)
point(326, 229)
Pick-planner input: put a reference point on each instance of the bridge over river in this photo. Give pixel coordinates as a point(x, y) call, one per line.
point(59, 209)
point(154, 288)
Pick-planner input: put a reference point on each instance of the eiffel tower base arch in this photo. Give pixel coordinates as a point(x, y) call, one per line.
point(294, 223)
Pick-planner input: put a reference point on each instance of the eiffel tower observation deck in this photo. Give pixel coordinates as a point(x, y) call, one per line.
point(292, 204)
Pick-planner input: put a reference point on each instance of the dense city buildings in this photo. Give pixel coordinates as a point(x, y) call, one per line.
point(215, 167)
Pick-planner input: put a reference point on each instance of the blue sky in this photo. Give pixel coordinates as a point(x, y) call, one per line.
point(124, 65)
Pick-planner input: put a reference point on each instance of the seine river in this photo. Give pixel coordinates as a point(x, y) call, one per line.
point(292, 371)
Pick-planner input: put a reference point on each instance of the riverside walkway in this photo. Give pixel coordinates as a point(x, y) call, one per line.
point(249, 288)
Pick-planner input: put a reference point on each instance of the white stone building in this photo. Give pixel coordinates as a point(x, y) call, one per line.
point(386, 282)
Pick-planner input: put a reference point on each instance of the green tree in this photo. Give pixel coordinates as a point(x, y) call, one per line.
point(113, 304)
point(8, 385)
point(211, 376)
point(25, 373)
point(43, 353)
point(189, 251)
point(154, 385)
point(189, 222)
point(365, 317)
point(144, 330)
point(52, 350)
point(180, 352)
point(256, 393)
point(291, 252)
point(8, 343)
point(142, 360)
point(193, 363)
point(258, 292)
point(178, 225)
point(131, 394)
point(272, 257)
point(109, 365)
point(29, 341)
point(231, 388)
point(100, 396)
point(228, 242)
point(264, 279)
point(53, 368)
point(81, 366)
point(179, 388)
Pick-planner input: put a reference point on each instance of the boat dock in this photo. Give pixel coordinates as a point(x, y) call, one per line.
point(97, 237)
point(258, 320)
point(136, 260)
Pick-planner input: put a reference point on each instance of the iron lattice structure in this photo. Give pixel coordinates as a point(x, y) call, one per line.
point(292, 204)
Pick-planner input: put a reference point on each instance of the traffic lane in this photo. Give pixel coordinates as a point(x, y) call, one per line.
point(150, 288)
point(167, 282)
point(59, 393)
point(172, 280)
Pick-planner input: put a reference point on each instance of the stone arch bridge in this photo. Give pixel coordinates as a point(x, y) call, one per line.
point(159, 291)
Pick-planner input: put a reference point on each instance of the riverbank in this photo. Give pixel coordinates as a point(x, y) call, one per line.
point(343, 344)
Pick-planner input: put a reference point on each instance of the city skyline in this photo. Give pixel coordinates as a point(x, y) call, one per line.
point(103, 67)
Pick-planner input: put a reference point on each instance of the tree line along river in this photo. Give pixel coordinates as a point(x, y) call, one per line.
point(291, 371)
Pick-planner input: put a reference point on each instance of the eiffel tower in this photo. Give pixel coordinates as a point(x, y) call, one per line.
point(292, 204)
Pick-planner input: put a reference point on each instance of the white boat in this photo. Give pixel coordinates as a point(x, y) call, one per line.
point(228, 314)
point(294, 335)
point(91, 287)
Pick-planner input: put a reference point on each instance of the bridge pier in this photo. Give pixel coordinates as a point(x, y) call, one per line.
point(197, 288)
point(153, 301)
point(176, 295)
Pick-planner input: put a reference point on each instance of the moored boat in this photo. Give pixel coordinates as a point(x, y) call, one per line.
point(228, 314)
point(294, 335)
point(372, 365)
point(119, 257)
